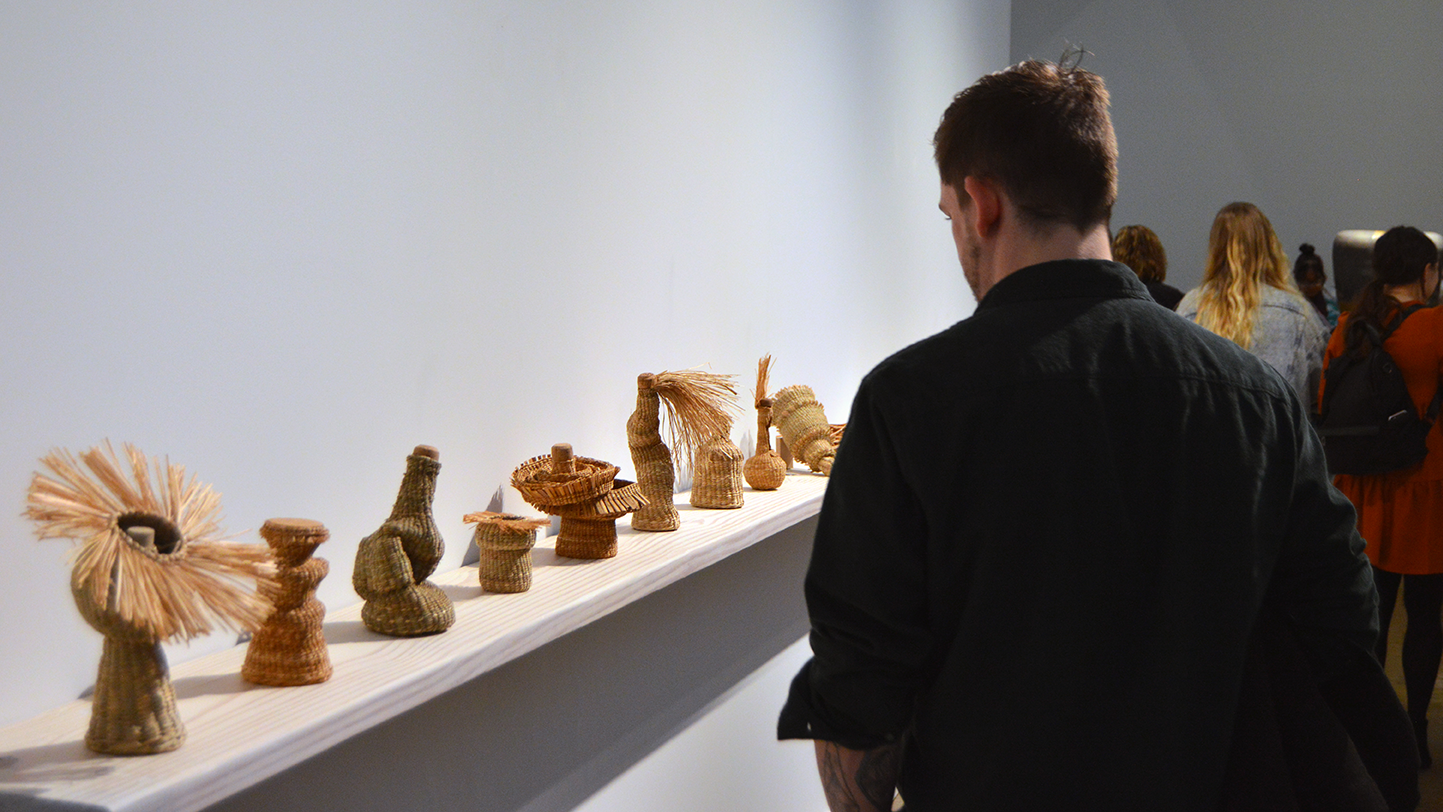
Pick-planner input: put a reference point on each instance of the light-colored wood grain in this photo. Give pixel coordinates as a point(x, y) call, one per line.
point(240, 734)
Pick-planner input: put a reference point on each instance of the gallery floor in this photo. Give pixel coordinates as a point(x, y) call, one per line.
point(1430, 781)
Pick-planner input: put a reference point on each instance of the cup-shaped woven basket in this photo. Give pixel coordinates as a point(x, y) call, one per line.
point(504, 541)
point(717, 482)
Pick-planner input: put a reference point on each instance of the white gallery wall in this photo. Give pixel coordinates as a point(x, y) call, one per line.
point(1325, 113)
point(283, 243)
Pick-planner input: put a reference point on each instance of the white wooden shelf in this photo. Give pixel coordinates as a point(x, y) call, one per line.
point(240, 734)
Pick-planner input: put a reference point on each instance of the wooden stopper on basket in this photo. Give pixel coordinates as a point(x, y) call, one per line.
point(142, 536)
point(427, 451)
point(562, 461)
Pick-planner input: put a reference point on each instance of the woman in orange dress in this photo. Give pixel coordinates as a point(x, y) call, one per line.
point(1400, 513)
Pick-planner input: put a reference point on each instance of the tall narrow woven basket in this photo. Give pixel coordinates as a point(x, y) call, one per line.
point(655, 474)
point(699, 406)
point(290, 647)
point(765, 470)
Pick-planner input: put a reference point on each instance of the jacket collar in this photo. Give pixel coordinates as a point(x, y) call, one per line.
point(1066, 279)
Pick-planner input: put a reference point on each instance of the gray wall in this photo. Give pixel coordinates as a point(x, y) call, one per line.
point(1325, 113)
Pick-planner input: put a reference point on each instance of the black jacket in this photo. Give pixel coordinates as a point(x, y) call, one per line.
point(1047, 536)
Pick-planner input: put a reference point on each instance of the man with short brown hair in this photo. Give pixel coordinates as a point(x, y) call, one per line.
point(1051, 528)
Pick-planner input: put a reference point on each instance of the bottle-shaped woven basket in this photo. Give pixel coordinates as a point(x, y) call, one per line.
point(150, 567)
point(504, 541)
point(393, 563)
point(803, 424)
point(290, 647)
point(765, 470)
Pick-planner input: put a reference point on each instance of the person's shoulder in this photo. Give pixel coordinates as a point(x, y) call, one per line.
point(1187, 308)
point(925, 353)
point(1427, 321)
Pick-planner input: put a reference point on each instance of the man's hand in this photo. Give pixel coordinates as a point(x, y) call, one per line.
point(859, 780)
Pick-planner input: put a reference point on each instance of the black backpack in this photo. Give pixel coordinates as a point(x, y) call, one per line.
point(1369, 424)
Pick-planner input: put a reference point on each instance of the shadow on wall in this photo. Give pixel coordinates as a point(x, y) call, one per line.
point(546, 731)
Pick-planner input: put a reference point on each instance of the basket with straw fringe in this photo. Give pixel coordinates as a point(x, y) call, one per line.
point(151, 566)
point(504, 541)
point(698, 408)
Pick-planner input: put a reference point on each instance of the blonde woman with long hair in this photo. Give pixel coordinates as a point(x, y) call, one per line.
point(1248, 295)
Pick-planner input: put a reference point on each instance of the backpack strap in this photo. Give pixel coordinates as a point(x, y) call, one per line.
point(1437, 404)
point(1398, 322)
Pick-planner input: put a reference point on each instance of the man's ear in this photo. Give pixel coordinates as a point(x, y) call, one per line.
point(986, 204)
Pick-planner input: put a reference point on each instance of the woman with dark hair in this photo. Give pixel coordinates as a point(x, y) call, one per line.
point(1309, 274)
point(1400, 513)
point(1138, 248)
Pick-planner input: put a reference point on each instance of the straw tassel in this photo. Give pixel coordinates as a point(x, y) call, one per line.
point(151, 566)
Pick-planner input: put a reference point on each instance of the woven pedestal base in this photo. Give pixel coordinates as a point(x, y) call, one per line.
point(411, 612)
point(655, 476)
point(586, 538)
point(290, 649)
point(133, 711)
point(506, 571)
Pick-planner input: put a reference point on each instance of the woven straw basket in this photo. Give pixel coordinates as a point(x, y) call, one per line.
point(717, 483)
point(290, 647)
point(803, 424)
point(504, 541)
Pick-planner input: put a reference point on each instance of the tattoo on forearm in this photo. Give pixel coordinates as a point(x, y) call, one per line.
point(870, 785)
point(834, 781)
point(877, 775)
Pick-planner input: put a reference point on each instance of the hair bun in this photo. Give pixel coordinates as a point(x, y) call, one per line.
point(1307, 249)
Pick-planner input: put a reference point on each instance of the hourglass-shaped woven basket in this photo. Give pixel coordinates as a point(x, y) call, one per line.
point(290, 647)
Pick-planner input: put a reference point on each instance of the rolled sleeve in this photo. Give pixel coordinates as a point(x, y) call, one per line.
point(866, 595)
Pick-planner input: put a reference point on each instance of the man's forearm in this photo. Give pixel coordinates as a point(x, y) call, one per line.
point(859, 780)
